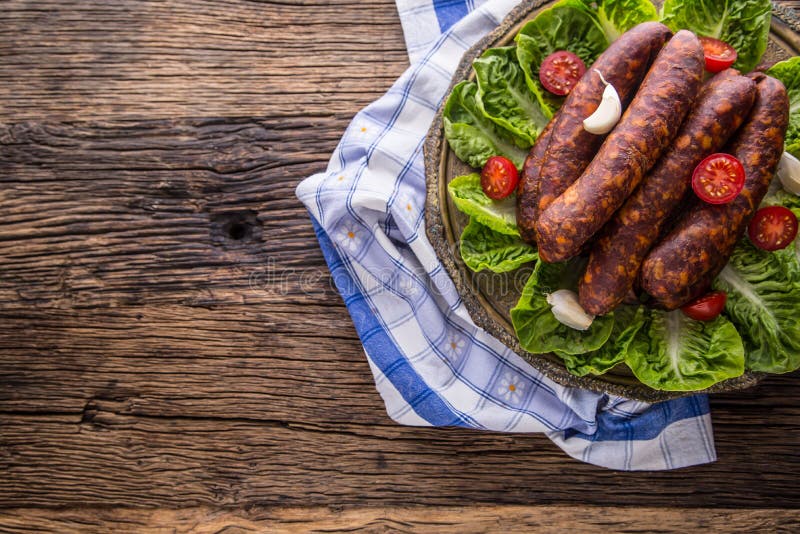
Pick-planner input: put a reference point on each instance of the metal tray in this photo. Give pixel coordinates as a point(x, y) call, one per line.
point(489, 296)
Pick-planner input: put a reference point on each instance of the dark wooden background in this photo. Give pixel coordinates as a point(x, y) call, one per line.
point(172, 352)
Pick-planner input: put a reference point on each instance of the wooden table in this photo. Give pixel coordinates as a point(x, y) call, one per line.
point(172, 352)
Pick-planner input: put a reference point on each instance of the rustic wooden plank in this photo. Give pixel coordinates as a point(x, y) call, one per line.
point(168, 332)
point(143, 344)
point(433, 520)
point(97, 59)
point(181, 360)
point(250, 361)
point(117, 451)
point(157, 221)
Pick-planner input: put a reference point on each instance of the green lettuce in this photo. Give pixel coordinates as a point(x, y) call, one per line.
point(764, 302)
point(743, 24)
point(675, 353)
point(788, 72)
point(569, 25)
point(483, 248)
point(628, 320)
point(469, 198)
point(503, 95)
point(537, 328)
point(618, 16)
point(780, 197)
point(473, 137)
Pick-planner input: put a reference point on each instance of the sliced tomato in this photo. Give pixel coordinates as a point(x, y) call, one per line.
point(499, 177)
point(560, 71)
point(718, 179)
point(773, 228)
point(707, 307)
point(719, 55)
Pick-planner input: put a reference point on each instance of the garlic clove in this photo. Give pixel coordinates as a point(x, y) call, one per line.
point(568, 311)
point(607, 114)
point(789, 173)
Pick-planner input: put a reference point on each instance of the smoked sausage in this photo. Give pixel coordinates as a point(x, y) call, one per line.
point(530, 183)
point(616, 257)
point(570, 148)
point(699, 246)
point(645, 130)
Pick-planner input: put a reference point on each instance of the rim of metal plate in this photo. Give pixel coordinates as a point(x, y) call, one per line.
point(784, 32)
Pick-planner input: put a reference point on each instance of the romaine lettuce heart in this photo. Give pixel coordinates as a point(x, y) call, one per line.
point(788, 72)
point(764, 302)
point(628, 320)
point(676, 353)
point(618, 16)
point(569, 25)
point(779, 197)
point(473, 137)
point(743, 24)
point(537, 328)
point(483, 248)
point(504, 97)
point(469, 198)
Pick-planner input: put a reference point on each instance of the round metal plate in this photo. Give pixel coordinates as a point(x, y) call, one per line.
point(489, 296)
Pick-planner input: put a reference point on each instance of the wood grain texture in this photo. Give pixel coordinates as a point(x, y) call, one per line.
point(428, 520)
point(97, 59)
point(169, 333)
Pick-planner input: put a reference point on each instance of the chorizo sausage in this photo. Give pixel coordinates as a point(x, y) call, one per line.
point(689, 292)
point(530, 183)
point(701, 243)
point(723, 104)
point(623, 64)
point(643, 133)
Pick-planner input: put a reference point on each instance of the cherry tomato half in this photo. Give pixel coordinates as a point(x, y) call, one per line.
point(773, 228)
point(718, 179)
point(719, 55)
point(560, 71)
point(499, 177)
point(707, 307)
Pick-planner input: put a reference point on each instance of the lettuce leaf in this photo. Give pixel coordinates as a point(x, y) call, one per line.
point(628, 320)
point(503, 95)
point(472, 136)
point(537, 328)
point(469, 198)
point(483, 248)
point(780, 197)
point(788, 72)
point(764, 302)
point(743, 24)
point(618, 16)
point(675, 353)
point(569, 25)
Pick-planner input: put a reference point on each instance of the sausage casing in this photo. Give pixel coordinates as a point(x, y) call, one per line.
point(643, 133)
point(530, 185)
point(623, 64)
point(616, 257)
point(694, 252)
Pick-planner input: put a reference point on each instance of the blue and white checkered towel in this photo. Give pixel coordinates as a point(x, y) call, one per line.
point(432, 365)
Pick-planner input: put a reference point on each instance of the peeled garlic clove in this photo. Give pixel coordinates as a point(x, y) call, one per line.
point(607, 113)
point(568, 311)
point(789, 173)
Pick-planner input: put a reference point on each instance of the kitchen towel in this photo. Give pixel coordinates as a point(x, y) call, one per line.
point(432, 365)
